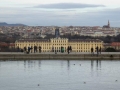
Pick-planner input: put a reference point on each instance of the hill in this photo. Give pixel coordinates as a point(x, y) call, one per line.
point(6, 24)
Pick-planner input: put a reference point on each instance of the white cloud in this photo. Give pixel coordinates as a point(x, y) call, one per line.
point(110, 3)
point(67, 6)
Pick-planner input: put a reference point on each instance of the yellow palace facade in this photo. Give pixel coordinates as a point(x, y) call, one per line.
point(55, 44)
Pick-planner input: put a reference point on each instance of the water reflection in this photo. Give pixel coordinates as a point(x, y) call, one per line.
point(68, 64)
point(62, 63)
point(39, 63)
point(100, 64)
point(24, 63)
point(32, 63)
point(97, 66)
point(92, 63)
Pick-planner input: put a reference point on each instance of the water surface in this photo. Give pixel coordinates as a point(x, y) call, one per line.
point(60, 75)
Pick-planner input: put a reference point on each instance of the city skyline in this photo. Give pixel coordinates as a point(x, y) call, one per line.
point(60, 13)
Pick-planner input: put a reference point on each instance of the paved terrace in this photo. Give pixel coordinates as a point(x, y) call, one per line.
point(60, 56)
point(59, 53)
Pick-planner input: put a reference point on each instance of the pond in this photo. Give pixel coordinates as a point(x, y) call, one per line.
point(60, 75)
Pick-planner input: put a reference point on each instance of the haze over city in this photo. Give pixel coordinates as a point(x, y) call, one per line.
point(60, 13)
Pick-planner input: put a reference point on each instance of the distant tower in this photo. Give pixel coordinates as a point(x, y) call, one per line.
point(108, 24)
point(57, 33)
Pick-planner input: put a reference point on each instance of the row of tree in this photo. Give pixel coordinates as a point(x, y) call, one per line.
point(107, 39)
point(9, 38)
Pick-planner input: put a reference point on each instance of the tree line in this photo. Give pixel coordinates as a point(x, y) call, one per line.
point(107, 39)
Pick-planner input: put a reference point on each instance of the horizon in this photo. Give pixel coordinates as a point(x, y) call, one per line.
point(53, 25)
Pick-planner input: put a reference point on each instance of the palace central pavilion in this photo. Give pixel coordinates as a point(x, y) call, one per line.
point(55, 44)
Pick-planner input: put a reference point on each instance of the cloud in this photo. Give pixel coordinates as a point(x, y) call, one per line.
point(67, 6)
point(65, 17)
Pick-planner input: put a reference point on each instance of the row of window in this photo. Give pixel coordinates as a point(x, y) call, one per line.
point(58, 44)
point(46, 47)
point(32, 44)
point(87, 44)
point(65, 51)
point(60, 41)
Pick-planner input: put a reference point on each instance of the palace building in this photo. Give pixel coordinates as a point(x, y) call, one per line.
point(55, 44)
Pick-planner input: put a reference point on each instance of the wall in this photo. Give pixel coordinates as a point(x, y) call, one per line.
point(59, 57)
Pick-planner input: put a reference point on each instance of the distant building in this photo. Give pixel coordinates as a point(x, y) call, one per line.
point(116, 45)
point(57, 33)
point(12, 45)
point(107, 26)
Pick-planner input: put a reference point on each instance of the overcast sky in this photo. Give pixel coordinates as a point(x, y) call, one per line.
point(61, 12)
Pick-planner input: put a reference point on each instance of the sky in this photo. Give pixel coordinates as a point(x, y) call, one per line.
point(61, 12)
